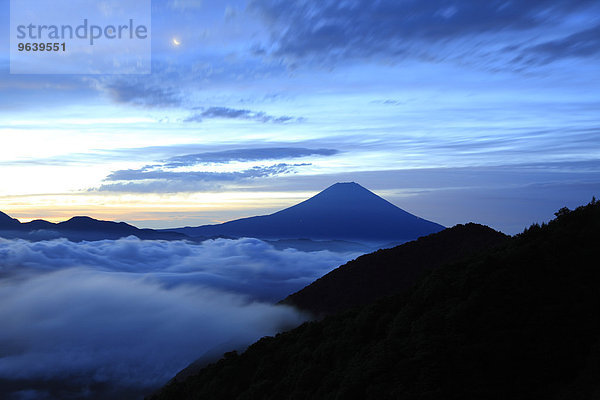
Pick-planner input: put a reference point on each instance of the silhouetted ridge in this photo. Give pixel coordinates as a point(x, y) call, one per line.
point(78, 228)
point(83, 223)
point(38, 224)
point(519, 321)
point(7, 222)
point(343, 211)
point(389, 271)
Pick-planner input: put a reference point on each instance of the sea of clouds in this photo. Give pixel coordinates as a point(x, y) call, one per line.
point(120, 317)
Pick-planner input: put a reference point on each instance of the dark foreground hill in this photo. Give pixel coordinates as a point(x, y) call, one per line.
point(388, 271)
point(344, 211)
point(520, 321)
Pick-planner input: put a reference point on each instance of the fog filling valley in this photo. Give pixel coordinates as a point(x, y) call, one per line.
point(93, 318)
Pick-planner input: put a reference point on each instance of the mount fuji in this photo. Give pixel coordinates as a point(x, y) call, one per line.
point(343, 211)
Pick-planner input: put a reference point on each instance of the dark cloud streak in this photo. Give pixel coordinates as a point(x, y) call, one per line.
point(164, 178)
point(159, 181)
point(585, 43)
point(233, 113)
point(249, 154)
point(254, 172)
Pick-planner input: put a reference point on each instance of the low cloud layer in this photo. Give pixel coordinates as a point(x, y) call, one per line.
point(96, 319)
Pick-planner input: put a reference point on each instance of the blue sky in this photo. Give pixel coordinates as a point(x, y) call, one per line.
point(456, 111)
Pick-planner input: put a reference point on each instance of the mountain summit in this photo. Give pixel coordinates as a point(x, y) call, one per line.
point(345, 211)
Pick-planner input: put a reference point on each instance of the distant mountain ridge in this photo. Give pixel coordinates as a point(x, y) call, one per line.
point(78, 228)
point(343, 211)
point(335, 218)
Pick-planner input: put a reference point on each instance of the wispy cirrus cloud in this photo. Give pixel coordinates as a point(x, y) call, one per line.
point(333, 31)
point(585, 43)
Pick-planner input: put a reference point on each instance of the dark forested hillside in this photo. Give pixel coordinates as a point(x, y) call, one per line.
point(388, 271)
point(520, 321)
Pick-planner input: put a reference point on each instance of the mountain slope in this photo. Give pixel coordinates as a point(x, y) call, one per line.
point(6, 222)
point(344, 211)
point(520, 321)
point(388, 271)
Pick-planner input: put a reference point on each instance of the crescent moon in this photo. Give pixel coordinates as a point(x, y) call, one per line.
point(176, 42)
